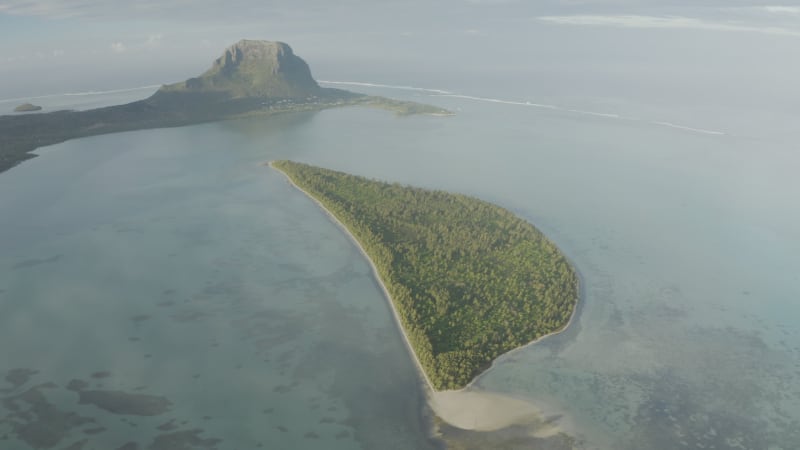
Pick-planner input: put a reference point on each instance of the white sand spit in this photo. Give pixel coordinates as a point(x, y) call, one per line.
point(482, 411)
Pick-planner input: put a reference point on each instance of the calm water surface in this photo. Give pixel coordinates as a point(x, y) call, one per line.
point(163, 287)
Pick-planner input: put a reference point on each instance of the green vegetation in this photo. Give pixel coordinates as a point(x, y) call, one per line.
point(27, 107)
point(469, 279)
point(252, 78)
point(403, 108)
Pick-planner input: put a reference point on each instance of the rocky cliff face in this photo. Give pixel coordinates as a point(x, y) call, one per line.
point(252, 69)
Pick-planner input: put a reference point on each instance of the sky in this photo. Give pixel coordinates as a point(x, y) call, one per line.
point(739, 53)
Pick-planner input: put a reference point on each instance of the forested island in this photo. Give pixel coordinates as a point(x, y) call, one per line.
point(251, 78)
point(467, 279)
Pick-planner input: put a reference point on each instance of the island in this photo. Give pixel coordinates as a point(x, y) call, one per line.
point(27, 107)
point(467, 280)
point(251, 78)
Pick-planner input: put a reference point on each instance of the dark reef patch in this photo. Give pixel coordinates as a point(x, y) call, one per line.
point(168, 426)
point(117, 402)
point(77, 445)
point(18, 377)
point(137, 319)
point(129, 446)
point(36, 421)
point(188, 316)
point(184, 440)
point(674, 415)
point(77, 385)
point(35, 262)
point(344, 434)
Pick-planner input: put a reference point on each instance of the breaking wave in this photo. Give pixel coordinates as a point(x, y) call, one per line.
point(387, 86)
point(682, 127)
point(80, 94)
point(605, 115)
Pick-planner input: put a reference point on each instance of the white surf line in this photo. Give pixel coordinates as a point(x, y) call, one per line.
point(387, 86)
point(587, 113)
point(537, 105)
point(598, 114)
point(497, 100)
point(115, 91)
point(444, 93)
point(79, 94)
point(682, 127)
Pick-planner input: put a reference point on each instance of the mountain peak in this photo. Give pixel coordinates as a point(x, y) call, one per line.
point(250, 50)
point(253, 69)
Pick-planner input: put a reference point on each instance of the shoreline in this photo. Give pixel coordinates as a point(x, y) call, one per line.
point(375, 274)
point(578, 306)
point(463, 408)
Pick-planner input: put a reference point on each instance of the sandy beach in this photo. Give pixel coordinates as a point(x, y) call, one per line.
point(464, 408)
point(374, 273)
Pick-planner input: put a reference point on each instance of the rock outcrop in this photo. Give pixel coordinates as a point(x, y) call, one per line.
point(27, 107)
point(252, 69)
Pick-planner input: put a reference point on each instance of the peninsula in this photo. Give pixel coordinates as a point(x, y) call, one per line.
point(251, 78)
point(467, 280)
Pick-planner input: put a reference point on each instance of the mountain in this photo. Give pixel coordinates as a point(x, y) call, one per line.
point(251, 78)
point(250, 69)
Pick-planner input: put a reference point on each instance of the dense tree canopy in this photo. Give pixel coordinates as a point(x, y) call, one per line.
point(469, 279)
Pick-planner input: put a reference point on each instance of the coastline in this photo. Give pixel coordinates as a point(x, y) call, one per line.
point(377, 277)
point(54, 127)
point(578, 306)
point(464, 408)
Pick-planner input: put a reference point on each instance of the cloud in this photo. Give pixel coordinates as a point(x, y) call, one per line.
point(108, 9)
point(154, 40)
point(782, 9)
point(118, 47)
point(666, 22)
point(49, 8)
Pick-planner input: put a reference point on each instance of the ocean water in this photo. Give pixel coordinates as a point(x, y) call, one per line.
point(79, 100)
point(164, 287)
point(171, 264)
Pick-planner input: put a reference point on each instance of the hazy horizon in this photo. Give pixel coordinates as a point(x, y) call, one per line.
point(727, 64)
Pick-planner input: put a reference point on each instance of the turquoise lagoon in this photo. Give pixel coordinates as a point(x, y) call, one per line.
point(163, 287)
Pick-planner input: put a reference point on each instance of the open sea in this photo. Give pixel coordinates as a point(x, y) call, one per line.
point(164, 289)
